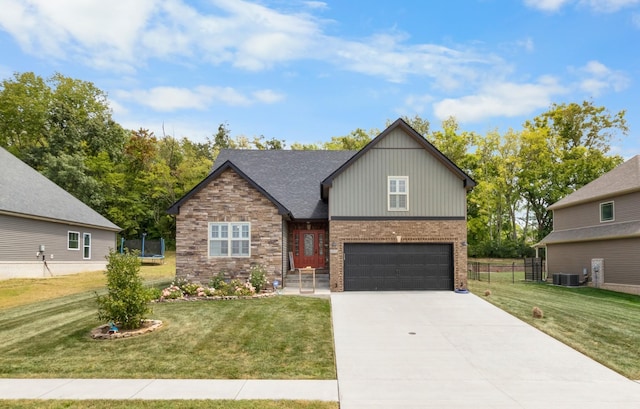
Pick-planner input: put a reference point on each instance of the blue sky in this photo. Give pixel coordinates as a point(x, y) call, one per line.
point(305, 71)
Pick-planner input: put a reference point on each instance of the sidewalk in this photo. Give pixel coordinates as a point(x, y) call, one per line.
point(164, 389)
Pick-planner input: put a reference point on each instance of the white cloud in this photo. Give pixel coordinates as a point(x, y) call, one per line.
point(268, 96)
point(597, 78)
point(505, 99)
point(603, 6)
point(546, 5)
point(635, 19)
point(166, 99)
point(320, 5)
point(246, 35)
point(417, 103)
point(609, 6)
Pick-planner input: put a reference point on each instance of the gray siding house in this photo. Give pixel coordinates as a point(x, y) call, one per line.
point(391, 216)
point(596, 230)
point(44, 230)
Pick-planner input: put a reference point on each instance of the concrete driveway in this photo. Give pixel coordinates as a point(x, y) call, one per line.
point(449, 350)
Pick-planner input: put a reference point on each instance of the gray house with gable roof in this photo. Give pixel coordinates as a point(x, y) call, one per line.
point(391, 216)
point(44, 230)
point(596, 230)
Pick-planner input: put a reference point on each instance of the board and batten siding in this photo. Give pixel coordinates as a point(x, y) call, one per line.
point(626, 209)
point(20, 239)
point(621, 259)
point(361, 190)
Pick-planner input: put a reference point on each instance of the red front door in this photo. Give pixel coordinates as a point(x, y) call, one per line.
point(308, 248)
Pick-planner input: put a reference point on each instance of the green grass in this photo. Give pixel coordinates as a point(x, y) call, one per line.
point(603, 325)
point(283, 337)
point(163, 404)
point(22, 291)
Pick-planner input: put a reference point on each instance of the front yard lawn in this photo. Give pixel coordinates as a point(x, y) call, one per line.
point(282, 337)
point(603, 325)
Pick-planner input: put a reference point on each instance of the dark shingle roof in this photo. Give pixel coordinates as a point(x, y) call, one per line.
point(602, 232)
point(623, 179)
point(25, 192)
point(292, 177)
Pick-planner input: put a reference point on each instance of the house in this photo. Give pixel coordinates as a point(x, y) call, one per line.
point(596, 230)
point(391, 216)
point(44, 230)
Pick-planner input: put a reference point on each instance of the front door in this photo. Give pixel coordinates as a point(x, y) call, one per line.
point(308, 248)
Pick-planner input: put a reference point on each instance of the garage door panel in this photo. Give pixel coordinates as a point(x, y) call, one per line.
point(393, 266)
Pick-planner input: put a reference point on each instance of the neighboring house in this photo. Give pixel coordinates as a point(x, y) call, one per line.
point(41, 222)
point(596, 230)
point(391, 216)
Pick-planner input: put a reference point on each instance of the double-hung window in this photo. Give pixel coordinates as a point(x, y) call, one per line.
point(73, 240)
point(398, 193)
point(229, 239)
point(606, 212)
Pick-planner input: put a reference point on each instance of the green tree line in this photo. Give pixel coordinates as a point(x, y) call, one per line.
point(63, 128)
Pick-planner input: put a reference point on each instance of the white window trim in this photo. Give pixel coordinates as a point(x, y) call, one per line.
point(69, 241)
point(613, 211)
point(84, 246)
point(229, 239)
point(406, 180)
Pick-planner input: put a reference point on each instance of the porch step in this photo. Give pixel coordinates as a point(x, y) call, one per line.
point(293, 280)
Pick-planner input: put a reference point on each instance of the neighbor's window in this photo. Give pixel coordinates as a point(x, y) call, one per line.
point(229, 239)
point(398, 193)
point(606, 212)
point(86, 246)
point(73, 240)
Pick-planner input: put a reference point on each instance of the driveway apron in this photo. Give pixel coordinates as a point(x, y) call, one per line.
point(449, 350)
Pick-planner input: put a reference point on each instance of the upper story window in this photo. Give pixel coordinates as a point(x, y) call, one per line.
point(398, 193)
point(229, 239)
point(606, 212)
point(73, 240)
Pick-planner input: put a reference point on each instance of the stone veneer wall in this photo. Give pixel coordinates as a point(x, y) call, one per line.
point(228, 198)
point(387, 231)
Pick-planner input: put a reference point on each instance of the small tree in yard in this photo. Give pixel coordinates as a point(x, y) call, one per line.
point(127, 300)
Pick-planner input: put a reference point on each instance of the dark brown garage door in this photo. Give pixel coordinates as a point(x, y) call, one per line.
point(397, 266)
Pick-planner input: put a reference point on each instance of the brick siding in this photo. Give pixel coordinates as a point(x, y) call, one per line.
point(387, 231)
point(228, 198)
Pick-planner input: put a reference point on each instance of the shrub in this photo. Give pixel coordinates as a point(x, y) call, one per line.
point(127, 300)
point(217, 281)
point(258, 277)
point(172, 292)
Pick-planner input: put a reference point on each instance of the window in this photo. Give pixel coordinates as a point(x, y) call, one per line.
point(229, 239)
point(86, 246)
point(398, 193)
point(606, 212)
point(73, 240)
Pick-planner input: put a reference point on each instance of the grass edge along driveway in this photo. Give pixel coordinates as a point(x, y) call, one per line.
point(604, 325)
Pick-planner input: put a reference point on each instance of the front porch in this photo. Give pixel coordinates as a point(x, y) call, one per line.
point(308, 247)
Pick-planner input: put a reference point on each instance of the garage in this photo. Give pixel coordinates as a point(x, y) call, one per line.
point(398, 266)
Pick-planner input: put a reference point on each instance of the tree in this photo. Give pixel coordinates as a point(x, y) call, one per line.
point(572, 154)
point(355, 141)
point(56, 126)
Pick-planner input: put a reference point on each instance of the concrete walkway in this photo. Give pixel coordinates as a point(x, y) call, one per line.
point(448, 350)
point(167, 389)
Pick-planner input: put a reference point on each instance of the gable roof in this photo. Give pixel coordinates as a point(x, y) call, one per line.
point(24, 192)
point(468, 182)
point(290, 179)
point(623, 179)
